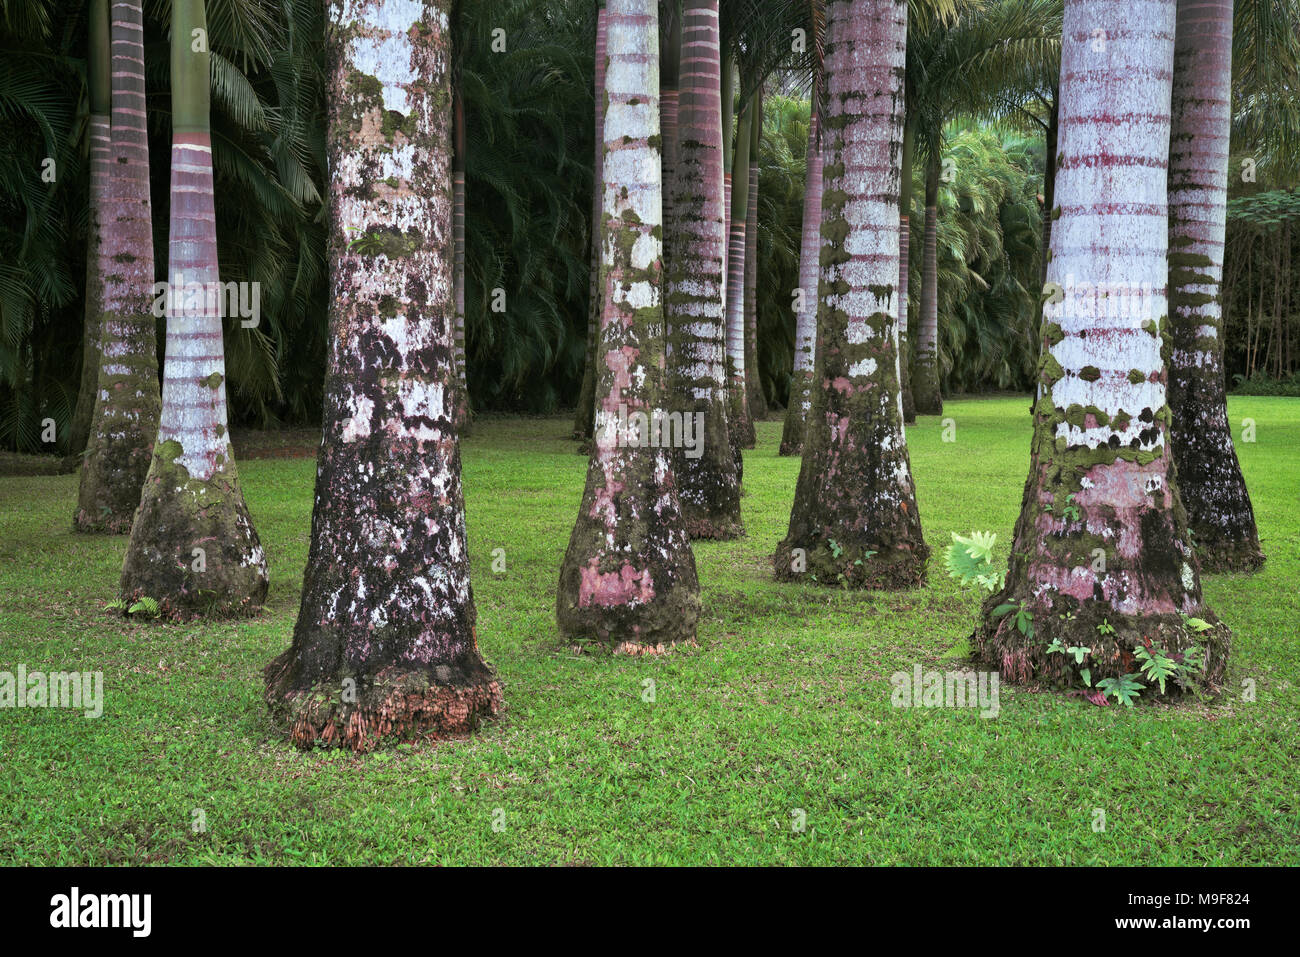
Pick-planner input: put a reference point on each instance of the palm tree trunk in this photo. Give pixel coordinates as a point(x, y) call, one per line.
point(99, 85)
point(193, 547)
point(670, 53)
point(629, 575)
point(1102, 559)
point(905, 273)
point(708, 487)
point(854, 520)
point(125, 421)
point(1049, 184)
point(584, 417)
point(461, 410)
point(753, 378)
point(805, 328)
point(925, 386)
point(739, 423)
point(385, 642)
point(1209, 477)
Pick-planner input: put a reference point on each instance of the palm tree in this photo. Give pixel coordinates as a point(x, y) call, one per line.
point(461, 406)
point(1102, 560)
point(1209, 477)
point(125, 419)
point(708, 486)
point(805, 330)
point(755, 402)
point(955, 65)
point(586, 411)
point(193, 547)
point(854, 519)
point(628, 575)
point(739, 422)
point(385, 642)
point(99, 89)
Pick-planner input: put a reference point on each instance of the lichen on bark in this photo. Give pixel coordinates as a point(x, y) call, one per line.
point(855, 520)
point(628, 574)
point(385, 644)
point(1213, 490)
point(1101, 559)
point(708, 486)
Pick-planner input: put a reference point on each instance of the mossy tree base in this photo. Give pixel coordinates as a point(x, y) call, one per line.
point(1001, 645)
point(194, 549)
point(845, 565)
point(361, 712)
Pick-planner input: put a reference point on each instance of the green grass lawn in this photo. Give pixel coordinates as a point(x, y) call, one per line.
point(783, 708)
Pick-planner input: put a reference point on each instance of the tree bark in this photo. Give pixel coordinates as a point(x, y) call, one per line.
point(385, 642)
point(740, 425)
point(925, 384)
point(462, 414)
point(585, 415)
point(708, 487)
point(805, 328)
point(905, 274)
point(1101, 558)
point(1213, 490)
point(127, 402)
point(99, 86)
point(193, 547)
point(628, 576)
point(753, 377)
point(855, 520)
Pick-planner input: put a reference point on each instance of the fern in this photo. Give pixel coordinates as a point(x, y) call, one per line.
point(1124, 689)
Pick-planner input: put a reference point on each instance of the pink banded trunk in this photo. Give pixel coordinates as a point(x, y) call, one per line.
point(756, 401)
point(1210, 482)
point(100, 139)
point(709, 489)
point(855, 519)
point(125, 420)
point(1101, 557)
point(194, 375)
point(628, 575)
point(805, 329)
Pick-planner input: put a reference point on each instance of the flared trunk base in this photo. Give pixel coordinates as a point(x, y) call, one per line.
point(1043, 656)
point(842, 564)
point(361, 712)
point(193, 546)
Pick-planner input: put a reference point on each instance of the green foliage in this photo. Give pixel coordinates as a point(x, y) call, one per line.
point(145, 606)
point(1124, 689)
point(970, 561)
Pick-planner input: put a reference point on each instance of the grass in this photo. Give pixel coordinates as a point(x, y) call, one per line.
point(783, 709)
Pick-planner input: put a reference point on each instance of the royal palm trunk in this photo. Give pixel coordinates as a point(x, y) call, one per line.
point(1101, 559)
point(99, 85)
point(925, 382)
point(583, 418)
point(628, 576)
point(740, 425)
point(461, 407)
point(125, 421)
point(385, 642)
point(854, 520)
point(753, 379)
point(193, 546)
point(905, 274)
point(805, 326)
point(708, 487)
point(1209, 477)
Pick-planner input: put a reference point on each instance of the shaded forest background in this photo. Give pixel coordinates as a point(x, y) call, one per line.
point(529, 127)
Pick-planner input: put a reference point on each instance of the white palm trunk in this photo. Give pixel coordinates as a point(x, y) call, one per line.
point(628, 576)
point(1101, 539)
